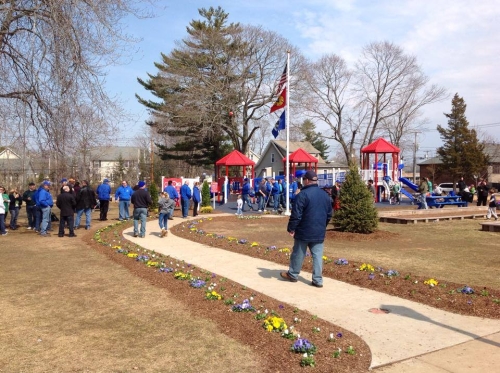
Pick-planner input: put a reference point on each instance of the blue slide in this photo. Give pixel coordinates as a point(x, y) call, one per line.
point(410, 185)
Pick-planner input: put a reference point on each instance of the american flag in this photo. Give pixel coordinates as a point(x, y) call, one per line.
point(282, 81)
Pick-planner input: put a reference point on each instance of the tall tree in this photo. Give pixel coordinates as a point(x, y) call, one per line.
point(462, 154)
point(214, 89)
point(308, 130)
point(383, 95)
point(53, 55)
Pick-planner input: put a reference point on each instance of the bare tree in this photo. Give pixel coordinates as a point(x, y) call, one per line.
point(327, 100)
point(392, 89)
point(383, 95)
point(53, 54)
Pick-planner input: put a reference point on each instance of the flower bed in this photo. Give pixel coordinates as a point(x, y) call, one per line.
point(240, 312)
point(453, 297)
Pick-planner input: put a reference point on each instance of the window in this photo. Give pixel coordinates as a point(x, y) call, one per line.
point(496, 169)
point(272, 157)
point(96, 164)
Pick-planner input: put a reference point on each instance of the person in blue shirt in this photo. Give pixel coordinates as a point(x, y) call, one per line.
point(45, 201)
point(245, 194)
point(123, 194)
point(196, 198)
point(104, 195)
point(172, 192)
point(275, 191)
point(185, 198)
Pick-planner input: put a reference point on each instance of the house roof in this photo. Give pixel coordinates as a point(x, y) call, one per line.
point(492, 150)
point(301, 156)
point(295, 145)
point(113, 153)
point(380, 146)
point(235, 158)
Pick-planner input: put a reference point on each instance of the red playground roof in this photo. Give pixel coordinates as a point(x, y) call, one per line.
point(301, 156)
point(380, 146)
point(235, 158)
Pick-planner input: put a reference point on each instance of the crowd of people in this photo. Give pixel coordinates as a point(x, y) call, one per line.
point(74, 199)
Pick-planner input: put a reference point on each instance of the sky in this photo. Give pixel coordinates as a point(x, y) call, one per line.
point(456, 43)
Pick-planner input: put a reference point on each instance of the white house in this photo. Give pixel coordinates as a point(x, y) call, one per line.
point(271, 160)
point(14, 171)
point(105, 162)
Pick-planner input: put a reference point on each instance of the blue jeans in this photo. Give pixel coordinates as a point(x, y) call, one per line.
point(163, 220)
point(298, 255)
point(2, 224)
point(38, 217)
point(262, 202)
point(141, 214)
point(246, 200)
point(30, 211)
point(276, 202)
point(123, 210)
point(45, 219)
point(13, 218)
point(185, 207)
point(79, 216)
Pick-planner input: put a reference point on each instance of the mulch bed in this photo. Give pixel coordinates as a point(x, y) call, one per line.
point(484, 302)
point(244, 327)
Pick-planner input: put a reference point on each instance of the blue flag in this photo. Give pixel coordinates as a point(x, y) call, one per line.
point(280, 125)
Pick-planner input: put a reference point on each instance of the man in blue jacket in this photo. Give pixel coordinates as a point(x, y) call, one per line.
point(311, 213)
point(123, 194)
point(104, 195)
point(185, 199)
point(45, 201)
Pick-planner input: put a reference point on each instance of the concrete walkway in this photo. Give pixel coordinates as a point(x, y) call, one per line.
point(408, 331)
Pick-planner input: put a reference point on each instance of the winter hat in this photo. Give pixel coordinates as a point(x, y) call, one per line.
point(311, 175)
point(46, 183)
point(64, 180)
point(105, 181)
point(141, 184)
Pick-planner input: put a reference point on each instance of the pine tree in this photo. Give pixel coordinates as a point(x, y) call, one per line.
point(357, 212)
point(205, 194)
point(308, 129)
point(153, 192)
point(462, 154)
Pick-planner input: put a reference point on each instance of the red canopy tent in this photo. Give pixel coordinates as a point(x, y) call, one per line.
point(380, 146)
point(235, 158)
point(301, 156)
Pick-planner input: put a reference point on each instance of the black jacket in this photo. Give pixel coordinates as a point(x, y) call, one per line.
point(13, 200)
point(141, 199)
point(85, 199)
point(66, 203)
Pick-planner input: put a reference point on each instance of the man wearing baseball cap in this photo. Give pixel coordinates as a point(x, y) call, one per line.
point(311, 213)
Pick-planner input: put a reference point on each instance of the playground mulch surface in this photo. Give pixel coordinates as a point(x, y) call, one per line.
point(456, 254)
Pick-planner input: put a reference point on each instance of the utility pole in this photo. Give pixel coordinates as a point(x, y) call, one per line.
point(152, 164)
point(415, 158)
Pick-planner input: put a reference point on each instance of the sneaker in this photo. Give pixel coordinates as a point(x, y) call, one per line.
point(87, 228)
point(259, 210)
point(163, 232)
point(136, 235)
point(315, 284)
point(60, 235)
point(166, 233)
point(72, 235)
point(29, 228)
point(45, 234)
point(4, 234)
point(170, 218)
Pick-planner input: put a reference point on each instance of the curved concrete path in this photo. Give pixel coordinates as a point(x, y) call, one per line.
point(409, 331)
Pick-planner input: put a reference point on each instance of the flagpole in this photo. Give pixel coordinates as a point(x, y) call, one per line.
point(287, 124)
